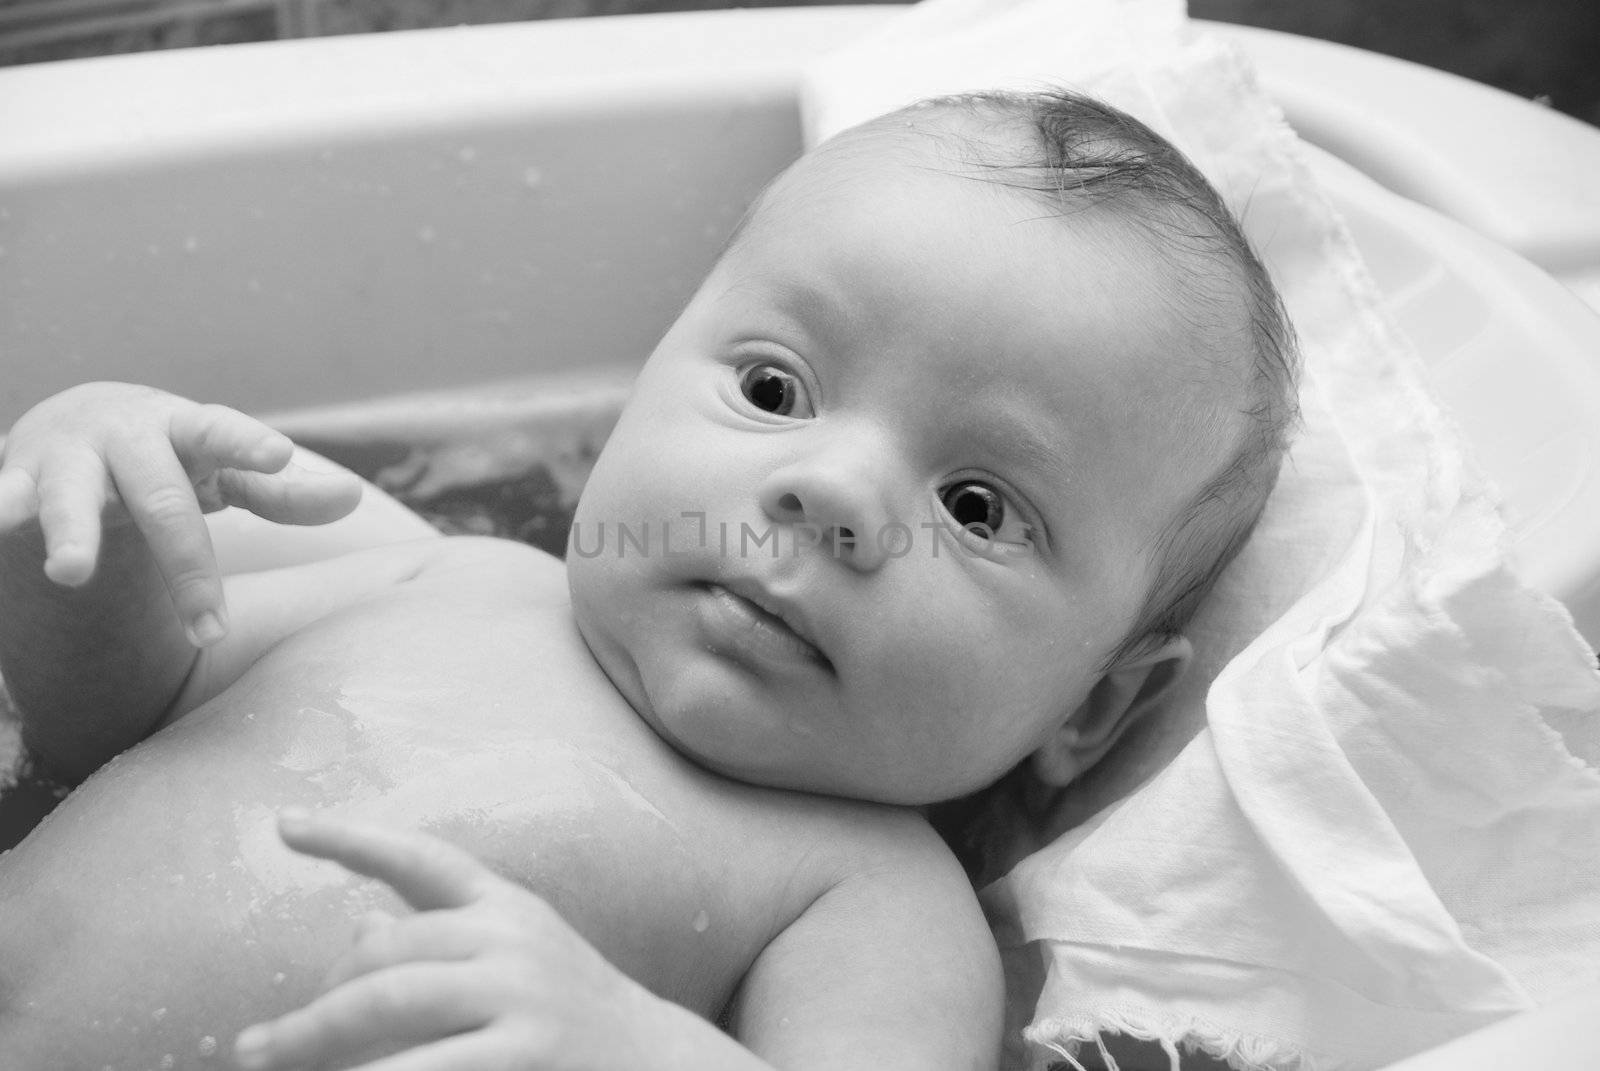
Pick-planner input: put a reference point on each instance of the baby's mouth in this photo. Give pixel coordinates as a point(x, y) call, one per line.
point(762, 625)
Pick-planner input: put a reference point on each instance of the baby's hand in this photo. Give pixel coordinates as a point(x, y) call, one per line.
point(106, 454)
point(486, 974)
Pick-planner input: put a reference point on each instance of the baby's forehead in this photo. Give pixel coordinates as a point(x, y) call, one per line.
point(915, 141)
point(957, 129)
point(1195, 297)
point(939, 139)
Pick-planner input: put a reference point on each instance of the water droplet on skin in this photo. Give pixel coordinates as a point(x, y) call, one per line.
point(208, 1045)
point(702, 922)
point(532, 177)
point(159, 1014)
point(277, 979)
point(168, 1062)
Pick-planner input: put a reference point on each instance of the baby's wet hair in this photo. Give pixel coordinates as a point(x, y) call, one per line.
point(1078, 153)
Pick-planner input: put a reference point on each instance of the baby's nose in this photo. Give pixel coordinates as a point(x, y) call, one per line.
point(841, 502)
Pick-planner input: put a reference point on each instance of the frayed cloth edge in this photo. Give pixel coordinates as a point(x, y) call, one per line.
point(1243, 1052)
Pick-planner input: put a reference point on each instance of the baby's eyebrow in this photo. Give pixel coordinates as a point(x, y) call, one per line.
point(1039, 448)
point(1019, 430)
point(811, 308)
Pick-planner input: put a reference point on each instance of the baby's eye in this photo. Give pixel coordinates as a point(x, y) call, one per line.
point(972, 503)
point(774, 390)
point(987, 515)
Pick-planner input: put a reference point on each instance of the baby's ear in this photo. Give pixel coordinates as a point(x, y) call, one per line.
point(1128, 691)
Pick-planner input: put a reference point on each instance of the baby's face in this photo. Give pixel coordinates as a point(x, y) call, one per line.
point(890, 354)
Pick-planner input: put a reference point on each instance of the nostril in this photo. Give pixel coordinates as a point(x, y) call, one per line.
point(845, 535)
point(791, 503)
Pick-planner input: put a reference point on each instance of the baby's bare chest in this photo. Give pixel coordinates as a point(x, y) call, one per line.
point(502, 736)
point(490, 733)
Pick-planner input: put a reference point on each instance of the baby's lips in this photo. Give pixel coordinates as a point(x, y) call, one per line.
point(785, 610)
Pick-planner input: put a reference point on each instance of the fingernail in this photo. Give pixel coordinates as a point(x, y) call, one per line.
point(250, 1048)
point(207, 629)
point(64, 565)
point(267, 454)
point(293, 817)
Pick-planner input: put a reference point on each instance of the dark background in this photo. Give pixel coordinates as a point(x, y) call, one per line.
point(1539, 49)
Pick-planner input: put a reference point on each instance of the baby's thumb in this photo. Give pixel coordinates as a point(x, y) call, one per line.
point(294, 495)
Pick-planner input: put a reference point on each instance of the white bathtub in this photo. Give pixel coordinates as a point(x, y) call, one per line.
point(292, 223)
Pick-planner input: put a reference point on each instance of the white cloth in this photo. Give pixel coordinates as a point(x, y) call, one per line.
point(1368, 825)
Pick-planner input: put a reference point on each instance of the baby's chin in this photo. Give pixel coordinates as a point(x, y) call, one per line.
point(596, 629)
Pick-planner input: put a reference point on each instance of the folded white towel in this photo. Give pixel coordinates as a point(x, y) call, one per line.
point(1368, 825)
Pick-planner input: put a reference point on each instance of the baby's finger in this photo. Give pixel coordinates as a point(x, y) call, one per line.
point(404, 1006)
point(438, 936)
point(221, 437)
point(374, 921)
point(295, 495)
point(464, 1052)
point(158, 496)
point(427, 873)
point(19, 498)
point(72, 494)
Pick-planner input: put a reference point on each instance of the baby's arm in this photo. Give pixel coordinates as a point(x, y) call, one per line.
point(106, 572)
point(891, 970)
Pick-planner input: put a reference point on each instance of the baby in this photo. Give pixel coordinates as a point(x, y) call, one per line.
point(922, 485)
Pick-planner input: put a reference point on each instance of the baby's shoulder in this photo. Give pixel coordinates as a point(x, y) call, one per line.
point(891, 929)
point(814, 867)
point(501, 563)
point(864, 843)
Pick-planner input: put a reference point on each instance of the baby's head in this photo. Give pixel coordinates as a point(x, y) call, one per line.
point(932, 471)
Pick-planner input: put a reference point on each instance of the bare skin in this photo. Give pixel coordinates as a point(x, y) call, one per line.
point(682, 880)
point(674, 788)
